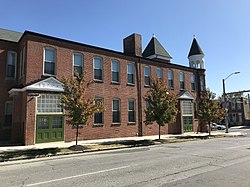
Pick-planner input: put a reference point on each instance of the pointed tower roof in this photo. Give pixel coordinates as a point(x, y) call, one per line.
point(195, 49)
point(155, 50)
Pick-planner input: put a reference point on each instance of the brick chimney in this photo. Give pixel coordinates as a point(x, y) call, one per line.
point(132, 45)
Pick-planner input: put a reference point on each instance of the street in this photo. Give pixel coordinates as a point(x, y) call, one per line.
point(212, 162)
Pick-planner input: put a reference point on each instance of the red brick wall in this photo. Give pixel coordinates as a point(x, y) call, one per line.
point(64, 55)
point(5, 85)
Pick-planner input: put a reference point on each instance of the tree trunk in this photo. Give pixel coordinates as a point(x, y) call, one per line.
point(159, 131)
point(77, 127)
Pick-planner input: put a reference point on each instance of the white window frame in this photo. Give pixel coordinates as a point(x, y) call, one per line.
point(129, 73)
point(187, 108)
point(115, 71)
point(101, 60)
point(46, 104)
point(171, 79)
point(102, 99)
point(133, 100)
point(159, 70)
point(15, 64)
point(193, 86)
point(147, 76)
point(119, 110)
point(182, 80)
point(55, 59)
point(82, 66)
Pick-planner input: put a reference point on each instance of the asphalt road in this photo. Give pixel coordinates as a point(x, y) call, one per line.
point(213, 162)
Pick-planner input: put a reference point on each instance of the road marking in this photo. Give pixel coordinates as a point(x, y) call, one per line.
point(235, 147)
point(76, 176)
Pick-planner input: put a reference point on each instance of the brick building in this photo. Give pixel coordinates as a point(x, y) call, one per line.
point(238, 110)
point(32, 65)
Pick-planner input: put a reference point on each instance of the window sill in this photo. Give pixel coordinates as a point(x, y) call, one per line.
point(48, 75)
point(98, 81)
point(115, 124)
point(131, 123)
point(146, 86)
point(115, 83)
point(98, 125)
point(130, 84)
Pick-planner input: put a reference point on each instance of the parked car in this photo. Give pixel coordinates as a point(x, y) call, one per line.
point(216, 126)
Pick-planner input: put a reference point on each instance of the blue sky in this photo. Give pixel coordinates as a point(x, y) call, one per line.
point(222, 28)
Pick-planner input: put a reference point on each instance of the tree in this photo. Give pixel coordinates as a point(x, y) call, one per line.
point(162, 105)
point(209, 109)
point(79, 107)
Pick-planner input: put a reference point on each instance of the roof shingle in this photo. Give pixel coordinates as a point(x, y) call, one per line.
point(8, 35)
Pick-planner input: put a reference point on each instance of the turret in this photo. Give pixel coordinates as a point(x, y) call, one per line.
point(196, 56)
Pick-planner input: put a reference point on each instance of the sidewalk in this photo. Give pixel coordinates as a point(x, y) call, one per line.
point(110, 140)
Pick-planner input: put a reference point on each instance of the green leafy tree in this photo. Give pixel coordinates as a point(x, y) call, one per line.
point(209, 109)
point(79, 107)
point(162, 105)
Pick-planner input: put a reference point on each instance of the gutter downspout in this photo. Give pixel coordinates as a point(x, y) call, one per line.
point(138, 78)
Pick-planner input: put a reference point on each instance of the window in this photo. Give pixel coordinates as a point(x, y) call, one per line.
point(131, 110)
point(49, 103)
point(97, 68)
point(57, 122)
point(147, 74)
point(78, 63)
point(8, 114)
point(130, 73)
point(170, 79)
point(182, 81)
point(192, 82)
point(115, 71)
point(22, 61)
point(202, 83)
point(50, 61)
point(116, 111)
point(98, 116)
point(159, 73)
point(187, 108)
point(11, 64)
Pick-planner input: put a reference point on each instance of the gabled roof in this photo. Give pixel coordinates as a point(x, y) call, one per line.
point(49, 84)
point(11, 36)
point(155, 50)
point(195, 49)
point(185, 95)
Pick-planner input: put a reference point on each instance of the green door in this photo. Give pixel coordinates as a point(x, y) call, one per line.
point(188, 123)
point(49, 128)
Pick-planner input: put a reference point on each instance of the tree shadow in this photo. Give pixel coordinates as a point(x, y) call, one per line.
point(133, 143)
point(28, 154)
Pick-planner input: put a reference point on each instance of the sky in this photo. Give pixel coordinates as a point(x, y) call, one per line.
point(221, 27)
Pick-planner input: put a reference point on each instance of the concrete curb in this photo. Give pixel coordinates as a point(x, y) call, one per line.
point(53, 156)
